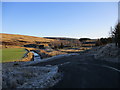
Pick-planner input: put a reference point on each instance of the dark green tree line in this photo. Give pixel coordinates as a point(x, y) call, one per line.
point(116, 35)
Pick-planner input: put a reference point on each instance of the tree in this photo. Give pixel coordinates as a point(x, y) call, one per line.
point(98, 43)
point(84, 39)
point(103, 41)
point(116, 35)
point(61, 46)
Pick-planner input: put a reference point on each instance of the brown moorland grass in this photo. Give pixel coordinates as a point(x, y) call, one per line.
point(19, 40)
point(13, 37)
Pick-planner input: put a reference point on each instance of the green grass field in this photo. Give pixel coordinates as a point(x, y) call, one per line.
point(12, 54)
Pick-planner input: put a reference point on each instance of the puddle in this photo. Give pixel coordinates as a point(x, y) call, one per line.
point(36, 56)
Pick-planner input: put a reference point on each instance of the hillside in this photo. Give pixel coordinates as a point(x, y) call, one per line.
point(14, 40)
point(10, 40)
point(19, 40)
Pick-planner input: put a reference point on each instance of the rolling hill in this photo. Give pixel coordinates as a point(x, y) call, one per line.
point(13, 40)
point(20, 40)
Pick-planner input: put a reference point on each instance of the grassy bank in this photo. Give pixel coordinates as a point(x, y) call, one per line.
point(12, 54)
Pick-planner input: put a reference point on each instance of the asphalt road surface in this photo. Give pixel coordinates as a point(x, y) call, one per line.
point(83, 71)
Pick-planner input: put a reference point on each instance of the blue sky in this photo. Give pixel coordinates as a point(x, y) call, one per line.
point(61, 19)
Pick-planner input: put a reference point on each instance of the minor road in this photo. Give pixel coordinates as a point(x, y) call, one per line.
point(83, 71)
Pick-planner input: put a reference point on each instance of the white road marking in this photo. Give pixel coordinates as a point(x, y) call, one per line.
point(104, 66)
point(63, 63)
point(111, 68)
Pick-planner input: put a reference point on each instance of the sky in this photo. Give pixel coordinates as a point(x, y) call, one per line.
point(59, 19)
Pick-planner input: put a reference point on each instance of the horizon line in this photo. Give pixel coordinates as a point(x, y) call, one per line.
point(54, 36)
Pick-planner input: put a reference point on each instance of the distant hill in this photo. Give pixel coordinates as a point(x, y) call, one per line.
point(61, 38)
